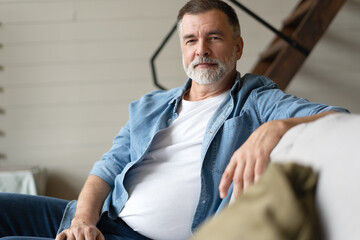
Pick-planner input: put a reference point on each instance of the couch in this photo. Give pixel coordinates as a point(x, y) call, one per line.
point(314, 172)
point(331, 146)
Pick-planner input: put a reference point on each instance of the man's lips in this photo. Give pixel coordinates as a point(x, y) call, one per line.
point(205, 65)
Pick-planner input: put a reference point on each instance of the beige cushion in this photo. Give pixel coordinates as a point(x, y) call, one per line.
point(278, 207)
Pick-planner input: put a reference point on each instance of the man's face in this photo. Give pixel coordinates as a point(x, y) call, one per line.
point(209, 48)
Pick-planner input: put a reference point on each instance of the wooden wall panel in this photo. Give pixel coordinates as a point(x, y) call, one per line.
point(76, 72)
point(67, 95)
point(87, 31)
point(121, 9)
point(36, 11)
point(77, 52)
point(74, 114)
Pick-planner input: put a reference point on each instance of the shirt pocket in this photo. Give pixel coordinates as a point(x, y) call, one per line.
point(233, 134)
point(241, 122)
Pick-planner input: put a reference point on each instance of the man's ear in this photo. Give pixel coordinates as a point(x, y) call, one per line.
point(239, 47)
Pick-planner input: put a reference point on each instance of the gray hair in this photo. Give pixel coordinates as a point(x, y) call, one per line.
point(202, 6)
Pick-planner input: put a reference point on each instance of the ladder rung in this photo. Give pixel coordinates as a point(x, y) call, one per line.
point(298, 14)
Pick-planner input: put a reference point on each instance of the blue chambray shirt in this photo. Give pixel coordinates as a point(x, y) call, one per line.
point(253, 100)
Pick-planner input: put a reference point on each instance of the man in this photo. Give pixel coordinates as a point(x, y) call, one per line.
point(184, 151)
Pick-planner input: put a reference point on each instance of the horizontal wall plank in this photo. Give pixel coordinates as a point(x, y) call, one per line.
point(76, 115)
point(84, 52)
point(75, 94)
point(36, 11)
point(139, 9)
point(120, 9)
point(30, 1)
point(131, 71)
point(70, 73)
point(68, 155)
point(78, 52)
point(86, 31)
point(60, 136)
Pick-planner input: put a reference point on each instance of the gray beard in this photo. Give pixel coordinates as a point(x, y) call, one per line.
point(209, 75)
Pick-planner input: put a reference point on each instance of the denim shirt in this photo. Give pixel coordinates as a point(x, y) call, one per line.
point(253, 100)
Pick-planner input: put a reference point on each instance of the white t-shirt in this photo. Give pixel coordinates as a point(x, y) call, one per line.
point(164, 188)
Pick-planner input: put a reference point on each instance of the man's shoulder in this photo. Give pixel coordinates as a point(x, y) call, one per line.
point(159, 96)
point(251, 85)
point(253, 81)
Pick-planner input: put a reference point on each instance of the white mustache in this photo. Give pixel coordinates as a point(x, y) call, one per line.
point(201, 60)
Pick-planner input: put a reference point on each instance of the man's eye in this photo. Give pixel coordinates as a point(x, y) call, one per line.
point(214, 38)
point(190, 41)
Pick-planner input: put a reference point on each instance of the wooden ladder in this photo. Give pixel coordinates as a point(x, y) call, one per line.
point(305, 26)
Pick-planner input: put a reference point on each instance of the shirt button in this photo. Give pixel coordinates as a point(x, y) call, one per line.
point(169, 120)
point(203, 202)
point(211, 132)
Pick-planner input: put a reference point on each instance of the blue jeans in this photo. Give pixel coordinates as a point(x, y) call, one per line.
point(38, 217)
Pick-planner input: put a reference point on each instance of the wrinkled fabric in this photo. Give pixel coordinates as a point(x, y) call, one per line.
point(280, 206)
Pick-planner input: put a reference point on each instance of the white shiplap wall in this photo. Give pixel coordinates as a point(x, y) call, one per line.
point(72, 67)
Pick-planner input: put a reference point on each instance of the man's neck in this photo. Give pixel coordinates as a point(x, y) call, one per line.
point(198, 92)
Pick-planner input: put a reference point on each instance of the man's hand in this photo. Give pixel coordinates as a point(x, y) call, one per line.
point(81, 230)
point(88, 208)
point(249, 161)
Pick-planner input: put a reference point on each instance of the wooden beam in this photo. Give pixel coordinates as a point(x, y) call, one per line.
point(305, 25)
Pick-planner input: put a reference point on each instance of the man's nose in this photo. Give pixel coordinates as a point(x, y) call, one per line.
point(203, 49)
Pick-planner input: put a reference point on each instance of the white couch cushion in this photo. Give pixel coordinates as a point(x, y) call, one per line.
point(331, 146)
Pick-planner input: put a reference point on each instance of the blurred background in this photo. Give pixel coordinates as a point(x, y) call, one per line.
point(69, 69)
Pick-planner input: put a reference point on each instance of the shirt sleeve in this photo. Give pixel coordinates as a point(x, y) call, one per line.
point(113, 162)
point(271, 103)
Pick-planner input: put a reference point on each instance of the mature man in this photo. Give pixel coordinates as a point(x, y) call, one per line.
point(182, 151)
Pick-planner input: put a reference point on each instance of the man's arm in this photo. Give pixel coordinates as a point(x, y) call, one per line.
point(249, 161)
point(88, 208)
